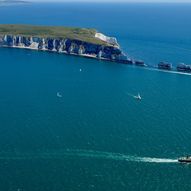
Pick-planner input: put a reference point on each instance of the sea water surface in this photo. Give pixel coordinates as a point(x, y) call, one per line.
point(96, 136)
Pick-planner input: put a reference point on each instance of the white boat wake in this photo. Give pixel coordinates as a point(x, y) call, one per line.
point(131, 95)
point(168, 71)
point(138, 97)
point(89, 154)
point(158, 160)
point(119, 157)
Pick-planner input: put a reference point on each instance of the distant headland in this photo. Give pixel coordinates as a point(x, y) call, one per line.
point(12, 2)
point(75, 41)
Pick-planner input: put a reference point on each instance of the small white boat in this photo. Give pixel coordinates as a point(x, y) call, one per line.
point(138, 97)
point(58, 95)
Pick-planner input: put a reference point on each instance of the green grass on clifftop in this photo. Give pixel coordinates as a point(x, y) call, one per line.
point(83, 34)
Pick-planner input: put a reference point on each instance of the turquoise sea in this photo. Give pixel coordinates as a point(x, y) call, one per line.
point(97, 136)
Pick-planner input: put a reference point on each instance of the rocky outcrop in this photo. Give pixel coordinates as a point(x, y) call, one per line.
point(110, 52)
point(110, 40)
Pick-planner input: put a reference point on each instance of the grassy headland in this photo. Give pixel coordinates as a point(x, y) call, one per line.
point(83, 34)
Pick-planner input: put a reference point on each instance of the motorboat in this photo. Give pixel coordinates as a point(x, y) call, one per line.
point(186, 159)
point(59, 95)
point(138, 97)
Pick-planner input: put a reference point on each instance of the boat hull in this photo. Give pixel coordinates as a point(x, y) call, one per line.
point(184, 160)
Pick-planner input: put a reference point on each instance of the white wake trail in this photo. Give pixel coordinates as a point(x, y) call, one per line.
point(118, 156)
point(168, 71)
point(158, 160)
point(131, 95)
point(89, 154)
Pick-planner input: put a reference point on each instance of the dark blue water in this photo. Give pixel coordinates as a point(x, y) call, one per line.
point(97, 136)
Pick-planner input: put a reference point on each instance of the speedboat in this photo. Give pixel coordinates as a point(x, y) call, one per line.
point(186, 159)
point(138, 97)
point(59, 95)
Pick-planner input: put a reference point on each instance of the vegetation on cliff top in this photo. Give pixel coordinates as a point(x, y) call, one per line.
point(83, 34)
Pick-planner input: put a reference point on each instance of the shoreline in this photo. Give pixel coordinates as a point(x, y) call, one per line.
point(147, 67)
point(62, 52)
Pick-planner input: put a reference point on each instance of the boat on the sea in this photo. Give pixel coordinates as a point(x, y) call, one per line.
point(139, 63)
point(58, 94)
point(165, 66)
point(186, 159)
point(138, 97)
point(183, 67)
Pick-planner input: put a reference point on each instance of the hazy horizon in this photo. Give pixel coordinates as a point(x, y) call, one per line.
point(110, 1)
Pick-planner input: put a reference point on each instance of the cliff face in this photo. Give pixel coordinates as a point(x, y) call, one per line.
point(67, 46)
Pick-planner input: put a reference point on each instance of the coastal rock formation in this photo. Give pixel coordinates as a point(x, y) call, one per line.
point(110, 51)
point(110, 40)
